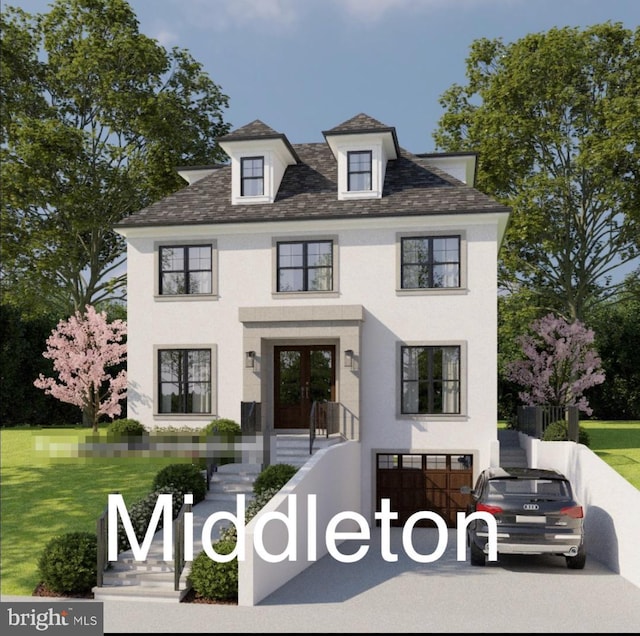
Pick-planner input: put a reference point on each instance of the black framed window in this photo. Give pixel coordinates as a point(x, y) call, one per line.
point(430, 379)
point(184, 381)
point(252, 176)
point(185, 269)
point(305, 266)
point(430, 262)
point(359, 170)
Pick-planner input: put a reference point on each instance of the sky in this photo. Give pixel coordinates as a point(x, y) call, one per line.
point(305, 66)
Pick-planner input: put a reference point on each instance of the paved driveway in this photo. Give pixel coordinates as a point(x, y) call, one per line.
point(516, 594)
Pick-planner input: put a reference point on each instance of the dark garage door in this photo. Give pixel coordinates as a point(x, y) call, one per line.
point(417, 482)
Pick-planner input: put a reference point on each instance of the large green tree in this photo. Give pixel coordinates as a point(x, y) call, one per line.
point(95, 118)
point(616, 324)
point(555, 118)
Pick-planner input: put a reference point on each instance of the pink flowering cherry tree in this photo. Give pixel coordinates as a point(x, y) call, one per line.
point(560, 363)
point(84, 348)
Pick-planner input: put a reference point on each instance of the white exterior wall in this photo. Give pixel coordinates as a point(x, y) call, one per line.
point(611, 523)
point(365, 275)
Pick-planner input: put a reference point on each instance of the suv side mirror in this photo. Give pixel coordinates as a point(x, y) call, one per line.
point(466, 490)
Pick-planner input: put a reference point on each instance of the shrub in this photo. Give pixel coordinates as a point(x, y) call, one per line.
point(222, 430)
point(213, 580)
point(273, 476)
point(223, 425)
point(68, 564)
point(230, 533)
point(558, 432)
point(125, 428)
point(184, 478)
point(140, 515)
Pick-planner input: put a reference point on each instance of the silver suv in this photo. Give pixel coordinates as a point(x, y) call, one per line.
point(535, 511)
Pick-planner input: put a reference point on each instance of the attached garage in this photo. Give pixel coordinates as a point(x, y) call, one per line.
point(415, 482)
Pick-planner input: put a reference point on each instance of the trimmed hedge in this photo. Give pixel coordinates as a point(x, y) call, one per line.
point(140, 514)
point(184, 478)
point(559, 432)
point(273, 476)
point(214, 580)
point(125, 427)
point(230, 532)
point(68, 564)
point(223, 425)
point(225, 431)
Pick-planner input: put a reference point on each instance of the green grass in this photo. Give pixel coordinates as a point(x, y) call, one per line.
point(618, 444)
point(43, 496)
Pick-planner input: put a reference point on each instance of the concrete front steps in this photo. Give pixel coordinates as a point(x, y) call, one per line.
point(511, 453)
point(153, 579)
point(293, 448)
point(230, 480)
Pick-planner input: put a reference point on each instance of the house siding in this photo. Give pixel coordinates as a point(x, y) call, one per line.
point(366, 277)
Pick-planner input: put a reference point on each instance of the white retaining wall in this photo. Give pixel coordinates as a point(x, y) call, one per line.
point(612, 504)
point(331, 476)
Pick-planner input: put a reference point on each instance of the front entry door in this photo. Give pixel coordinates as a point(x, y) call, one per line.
point(302, 374)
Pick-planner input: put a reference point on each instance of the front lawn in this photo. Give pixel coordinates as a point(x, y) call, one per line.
point(43, 496)
point(617, 442)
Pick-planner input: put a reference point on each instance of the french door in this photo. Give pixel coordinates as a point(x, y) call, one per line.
point(302, 374)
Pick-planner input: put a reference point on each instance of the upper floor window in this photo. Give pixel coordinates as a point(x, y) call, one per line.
point(185, 269)
point(184, 381)
point(305, 266)
point(359, 168)
point(430, 382)
point(252, 176)
point(430, 262)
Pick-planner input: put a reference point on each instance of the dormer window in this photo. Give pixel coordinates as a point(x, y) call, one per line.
point(252, 176)
point(359, 170)
point(259, 158)
point(362, 148)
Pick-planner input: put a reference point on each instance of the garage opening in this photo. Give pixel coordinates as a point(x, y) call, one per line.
point(416, 482)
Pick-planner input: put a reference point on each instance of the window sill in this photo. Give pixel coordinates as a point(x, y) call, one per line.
point(433, 291)
point(184, 297)
point(190, 416)
point(422, 417)
point(306, 294)
point(354, 195)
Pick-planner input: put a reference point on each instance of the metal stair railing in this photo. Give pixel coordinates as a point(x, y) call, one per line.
point(178, 545)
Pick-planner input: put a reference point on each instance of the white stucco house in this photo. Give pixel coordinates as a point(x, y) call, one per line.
point(349, 272)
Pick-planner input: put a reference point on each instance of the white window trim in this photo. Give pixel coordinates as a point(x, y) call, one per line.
point(268, 194)
point(378, 169)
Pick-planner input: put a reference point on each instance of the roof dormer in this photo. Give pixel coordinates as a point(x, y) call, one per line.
point(461, 165)
point(362, 147)
point(259, 157)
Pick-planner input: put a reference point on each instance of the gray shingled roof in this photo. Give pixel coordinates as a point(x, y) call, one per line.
point(309, 190)
point(363, 123)
point(253, 130)
point(258, 130)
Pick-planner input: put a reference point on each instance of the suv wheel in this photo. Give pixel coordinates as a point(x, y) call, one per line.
point(477, 555)
point(577, 562)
